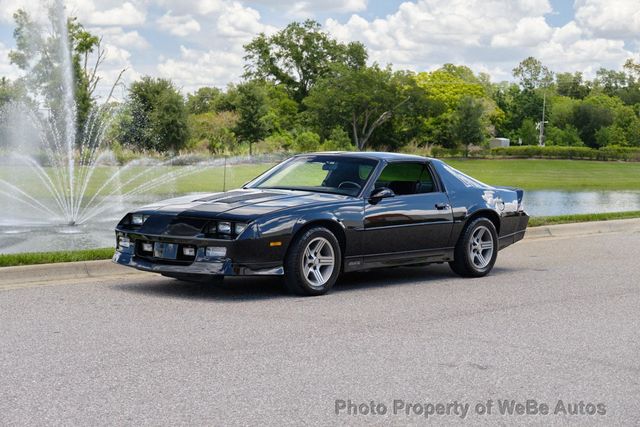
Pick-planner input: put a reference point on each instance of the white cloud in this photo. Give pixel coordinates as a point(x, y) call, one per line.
point(126, 14)
point(310, 8)
point(89, 12)
point(214, 55)
point(307, 9)
point(121, 38)
point(181, 26)
point(196, 68)
point(488, 35)
point(238, 21)
point(609, 18)
point(528, 32)
point(9, 7)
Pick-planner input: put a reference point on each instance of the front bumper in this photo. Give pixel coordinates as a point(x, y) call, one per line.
point(200, 264)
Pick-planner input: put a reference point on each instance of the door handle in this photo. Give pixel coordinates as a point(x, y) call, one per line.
point(442, 206)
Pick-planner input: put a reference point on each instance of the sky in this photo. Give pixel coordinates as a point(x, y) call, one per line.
point(199, 42)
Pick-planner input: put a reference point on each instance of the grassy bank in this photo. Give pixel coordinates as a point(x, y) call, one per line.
point(8, 260)
point(32, 258)
point(532, 174)
point(567, 219)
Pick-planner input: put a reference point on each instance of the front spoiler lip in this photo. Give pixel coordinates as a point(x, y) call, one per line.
point(221, 267)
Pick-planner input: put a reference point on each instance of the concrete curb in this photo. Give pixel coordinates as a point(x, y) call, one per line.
point(106, 268)
point(63, 271)
point(584, 228)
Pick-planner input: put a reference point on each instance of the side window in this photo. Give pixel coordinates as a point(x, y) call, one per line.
point(406, 178)
point(402, 178)
point(426, 184)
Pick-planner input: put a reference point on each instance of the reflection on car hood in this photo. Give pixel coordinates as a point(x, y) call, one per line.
point(244, 203)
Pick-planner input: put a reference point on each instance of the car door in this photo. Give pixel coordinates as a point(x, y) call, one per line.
point(418, 218)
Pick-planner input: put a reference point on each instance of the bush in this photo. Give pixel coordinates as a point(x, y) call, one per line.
point(213, 132)
point(123, 155)
point(566, 137)
point(338, 141)
point(275, 143)
point(307, 141)
point(559, 152)
point(474, 151)
point(610, 136)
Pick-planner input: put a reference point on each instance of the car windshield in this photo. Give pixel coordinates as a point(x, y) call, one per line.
point(324, 174)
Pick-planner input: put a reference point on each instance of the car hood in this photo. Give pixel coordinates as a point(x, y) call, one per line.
point(243, 204)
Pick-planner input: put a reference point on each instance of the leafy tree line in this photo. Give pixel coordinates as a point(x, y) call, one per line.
point(303, 90)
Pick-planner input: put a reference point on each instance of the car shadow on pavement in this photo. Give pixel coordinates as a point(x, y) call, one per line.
point(262, 288)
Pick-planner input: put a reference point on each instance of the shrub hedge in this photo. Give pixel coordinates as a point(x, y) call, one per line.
point(549, 152)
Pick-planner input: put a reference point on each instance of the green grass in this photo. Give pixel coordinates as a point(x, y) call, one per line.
point(32, 258)
point(534, 174)
point(566, 219)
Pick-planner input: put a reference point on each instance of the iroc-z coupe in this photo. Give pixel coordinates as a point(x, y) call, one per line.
point(314, 216)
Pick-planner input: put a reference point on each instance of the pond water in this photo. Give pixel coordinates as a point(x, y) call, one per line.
point(550, 202)
point(30, 236)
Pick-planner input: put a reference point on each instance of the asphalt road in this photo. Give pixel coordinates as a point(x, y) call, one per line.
point(557, 320)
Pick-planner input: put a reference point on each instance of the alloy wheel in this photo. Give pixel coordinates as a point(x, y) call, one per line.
point(318, 262)
point(481, 246)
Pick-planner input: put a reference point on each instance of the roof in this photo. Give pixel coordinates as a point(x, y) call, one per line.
point(379, 155)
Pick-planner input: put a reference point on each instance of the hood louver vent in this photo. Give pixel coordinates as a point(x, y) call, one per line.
point(236, 197)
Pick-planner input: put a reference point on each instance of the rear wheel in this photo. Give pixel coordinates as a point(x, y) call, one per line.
point(476, 250)
point(313, 262)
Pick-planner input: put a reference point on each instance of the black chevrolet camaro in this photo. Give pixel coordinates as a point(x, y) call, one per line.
point(315, 216)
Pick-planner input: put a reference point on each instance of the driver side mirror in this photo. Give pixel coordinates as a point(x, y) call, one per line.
point(381, 193)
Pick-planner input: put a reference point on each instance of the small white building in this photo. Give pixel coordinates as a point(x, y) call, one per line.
point(499, 142)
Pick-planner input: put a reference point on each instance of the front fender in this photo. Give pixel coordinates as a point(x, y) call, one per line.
point(318, 217)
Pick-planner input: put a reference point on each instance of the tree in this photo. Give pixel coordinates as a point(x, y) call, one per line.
point(588, 118)
point(450, 84)
point(610, 135)
point(155, 116)
point(213, 131)
point(252, 108)
point(338, 140)
point(449, 89)
point(307, 141)
point(532, 74)
point(204, 100)
point(282, 111)
point(610, 81)
point(528, 133)
point(298, 56)
point(8, 91)
point(362, 98)
point(38, 53)
point(567, 137)
point(571, 85)
point(467, 126)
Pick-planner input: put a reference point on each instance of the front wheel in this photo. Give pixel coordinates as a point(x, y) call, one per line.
point(476, 250)
point(313, 262)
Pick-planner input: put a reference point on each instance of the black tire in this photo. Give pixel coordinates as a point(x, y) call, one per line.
point(196, 278)
point(294, 277)
point(466, 265)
